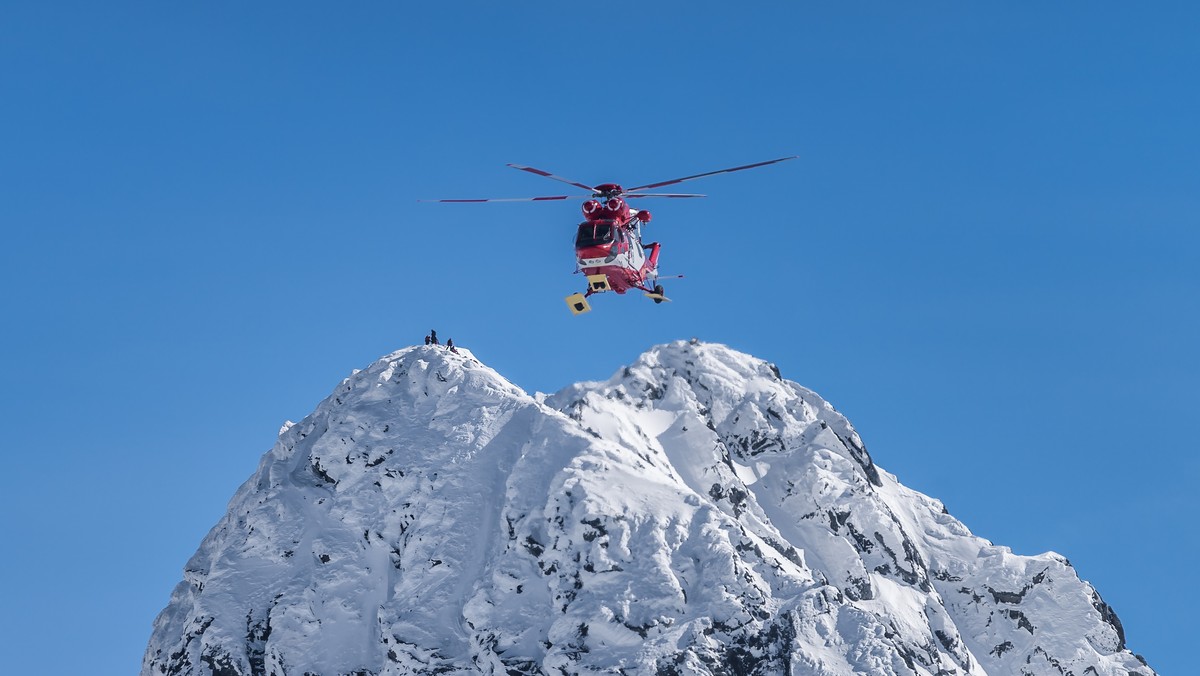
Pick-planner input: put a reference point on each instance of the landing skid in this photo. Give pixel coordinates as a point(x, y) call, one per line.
point(578, 303)
point(655, 294)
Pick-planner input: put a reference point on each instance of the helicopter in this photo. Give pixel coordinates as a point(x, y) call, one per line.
point(608, 243)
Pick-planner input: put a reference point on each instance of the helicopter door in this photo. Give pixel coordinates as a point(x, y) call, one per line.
point(621, 246)
point(637, 257)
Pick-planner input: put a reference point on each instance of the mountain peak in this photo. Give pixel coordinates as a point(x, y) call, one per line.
point(714, 359)
point(695, 513)
point(422, 365)
point(741, 398)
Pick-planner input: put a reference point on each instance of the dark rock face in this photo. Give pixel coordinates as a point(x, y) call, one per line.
point(695, 514)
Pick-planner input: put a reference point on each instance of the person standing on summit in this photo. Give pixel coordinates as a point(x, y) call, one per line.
point(433, 337)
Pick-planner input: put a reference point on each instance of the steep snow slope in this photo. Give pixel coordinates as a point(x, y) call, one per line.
point(695, 513)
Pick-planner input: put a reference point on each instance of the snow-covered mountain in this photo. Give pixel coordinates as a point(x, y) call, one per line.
point(694, 514)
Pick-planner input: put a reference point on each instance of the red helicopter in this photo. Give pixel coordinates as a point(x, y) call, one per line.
point(608, 243)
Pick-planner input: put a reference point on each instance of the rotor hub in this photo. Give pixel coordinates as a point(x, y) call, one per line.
point(608, 190)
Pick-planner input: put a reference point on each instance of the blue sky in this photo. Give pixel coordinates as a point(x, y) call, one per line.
point(986, 255)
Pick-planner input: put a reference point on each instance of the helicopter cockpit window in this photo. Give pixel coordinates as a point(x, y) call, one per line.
point(594, 234)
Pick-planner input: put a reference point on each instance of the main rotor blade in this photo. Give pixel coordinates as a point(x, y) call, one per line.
point(519, 199)
point(711, 173)
point(647, 194)
point(547, 174)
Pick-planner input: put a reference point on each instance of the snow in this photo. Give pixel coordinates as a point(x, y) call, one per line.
point(695, 513)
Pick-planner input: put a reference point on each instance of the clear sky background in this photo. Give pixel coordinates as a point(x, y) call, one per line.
point(986, 255)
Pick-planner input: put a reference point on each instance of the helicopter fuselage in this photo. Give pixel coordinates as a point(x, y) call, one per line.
point(609, 243)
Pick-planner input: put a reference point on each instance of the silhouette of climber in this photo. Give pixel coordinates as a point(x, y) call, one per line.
point(450, 344)
point(433, 337)
point(426, 340)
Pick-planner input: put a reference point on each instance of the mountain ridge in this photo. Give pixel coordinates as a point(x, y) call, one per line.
point(695, 513)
